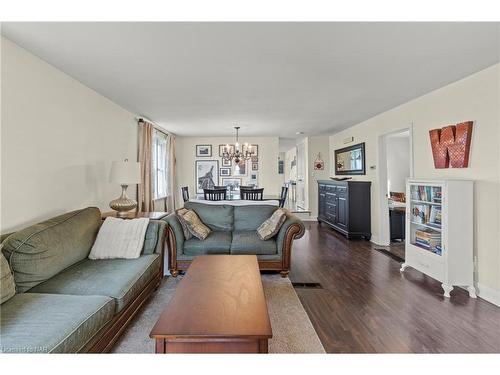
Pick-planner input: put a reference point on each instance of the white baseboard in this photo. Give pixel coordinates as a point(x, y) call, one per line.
point(488, 294)
point(377, 241)
point(310, 218)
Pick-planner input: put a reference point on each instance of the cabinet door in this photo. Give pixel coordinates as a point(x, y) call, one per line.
point(321, 205)
point(342, 212)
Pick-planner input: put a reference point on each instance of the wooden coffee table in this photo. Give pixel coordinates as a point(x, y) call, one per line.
point(218, 307)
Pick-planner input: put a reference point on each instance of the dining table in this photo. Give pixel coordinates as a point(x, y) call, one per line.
point(235, 197)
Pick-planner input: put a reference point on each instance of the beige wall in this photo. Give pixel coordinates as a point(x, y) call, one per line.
point(58, 138)
point(473, 98)
point(317, 145)
point(269, 178)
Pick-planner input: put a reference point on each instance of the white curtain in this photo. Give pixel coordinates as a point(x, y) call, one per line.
point(171, 174)
point(145, 191)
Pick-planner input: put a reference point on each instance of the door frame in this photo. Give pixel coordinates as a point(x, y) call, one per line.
point(384, 228)
point(305, 177)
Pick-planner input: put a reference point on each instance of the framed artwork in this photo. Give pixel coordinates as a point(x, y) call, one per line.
point(232, 183)
point(281, 167)
point(255, 149)
point(254, 179)
point(226, 163)
point(207, 174)
point(203, 151)
point(240, 169)
point(225, 172)
point(221, 149)
point(255, 166)
point(255, 159)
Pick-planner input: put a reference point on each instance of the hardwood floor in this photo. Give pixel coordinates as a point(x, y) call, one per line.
point(367, 306)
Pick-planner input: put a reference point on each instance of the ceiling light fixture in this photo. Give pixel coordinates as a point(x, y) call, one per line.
point(236, 152)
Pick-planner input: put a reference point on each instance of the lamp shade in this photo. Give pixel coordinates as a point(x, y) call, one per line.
point(125, 172)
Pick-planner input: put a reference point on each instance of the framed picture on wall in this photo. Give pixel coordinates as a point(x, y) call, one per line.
point(203, 151)
point(253, 180)
point(255, 159)
point(232, 183)
point(222, 147)
point(240, 169)
point(255, 166)
point(225, 172)
point(207, 174)
point(226, 163)
point(255, 149)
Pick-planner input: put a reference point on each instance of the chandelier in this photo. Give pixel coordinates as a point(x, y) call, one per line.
point(238, 153)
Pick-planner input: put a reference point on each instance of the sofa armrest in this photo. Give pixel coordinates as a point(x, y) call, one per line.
point(175, 241)
point(292, 228)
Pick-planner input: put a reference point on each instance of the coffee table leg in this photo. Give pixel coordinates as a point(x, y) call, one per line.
point(263, 346)
point(160, 346)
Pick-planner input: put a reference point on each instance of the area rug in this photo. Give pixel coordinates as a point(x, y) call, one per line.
point(293, 332)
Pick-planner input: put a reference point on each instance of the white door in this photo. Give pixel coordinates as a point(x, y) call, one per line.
point(301, 175)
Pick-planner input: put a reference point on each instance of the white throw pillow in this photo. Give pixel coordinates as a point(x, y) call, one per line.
point(119, 238)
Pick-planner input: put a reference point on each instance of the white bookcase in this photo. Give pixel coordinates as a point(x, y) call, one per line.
point(439, 232)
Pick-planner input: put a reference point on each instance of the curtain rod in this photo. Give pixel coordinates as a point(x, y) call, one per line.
point(156, 126)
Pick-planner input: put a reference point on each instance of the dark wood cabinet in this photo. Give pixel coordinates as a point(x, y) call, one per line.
point(345, 206)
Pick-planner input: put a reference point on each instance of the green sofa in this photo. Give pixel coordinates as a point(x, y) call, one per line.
point(233, 232)
point(65, 302)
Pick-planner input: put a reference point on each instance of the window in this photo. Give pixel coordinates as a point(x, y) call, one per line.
point(159, 164)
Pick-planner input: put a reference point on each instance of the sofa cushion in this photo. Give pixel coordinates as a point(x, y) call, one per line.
point(248, 242)
point(43, 250)
point(121, 279)
point(52, 323)
point(195, 225)
point(7, 285)
point(216, 217)
point(154, 238)
point(180, 215)
point(215, 243)
point(271, 226)
point(251, 217)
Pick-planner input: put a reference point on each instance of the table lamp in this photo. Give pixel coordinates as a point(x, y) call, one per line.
point(124, 173)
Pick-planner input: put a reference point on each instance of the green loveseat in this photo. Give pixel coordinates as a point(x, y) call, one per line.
point(233, 232)
point(65, 302)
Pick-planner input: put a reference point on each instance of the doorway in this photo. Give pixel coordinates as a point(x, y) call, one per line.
point(395, 167)
point(302, 183)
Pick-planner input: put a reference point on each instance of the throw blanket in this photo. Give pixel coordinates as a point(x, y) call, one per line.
point(119, 238)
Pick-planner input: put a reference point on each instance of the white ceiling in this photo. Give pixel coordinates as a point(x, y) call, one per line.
point(269, 78)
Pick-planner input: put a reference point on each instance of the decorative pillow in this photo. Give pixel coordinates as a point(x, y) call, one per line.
point(7, 285)
point(271, 226)
point(195, 225)
point(119, 238)
point(180, 215)
point(41, 251)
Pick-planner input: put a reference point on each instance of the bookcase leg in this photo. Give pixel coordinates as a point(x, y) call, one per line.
point(472, 291)
point(447, 289)
point(403, 267)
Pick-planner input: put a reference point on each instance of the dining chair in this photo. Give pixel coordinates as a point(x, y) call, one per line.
point(252, 194)
point(284, 194)
point(215, 194)
point(185, 193)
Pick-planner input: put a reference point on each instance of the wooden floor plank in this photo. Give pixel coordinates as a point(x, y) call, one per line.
point(367, 306)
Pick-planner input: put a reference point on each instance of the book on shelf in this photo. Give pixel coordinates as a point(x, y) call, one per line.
point(429, 240)
point(426, 193)
point(435, 216)
point(428, 215)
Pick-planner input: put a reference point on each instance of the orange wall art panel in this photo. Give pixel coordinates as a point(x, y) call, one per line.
point(451, 145)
